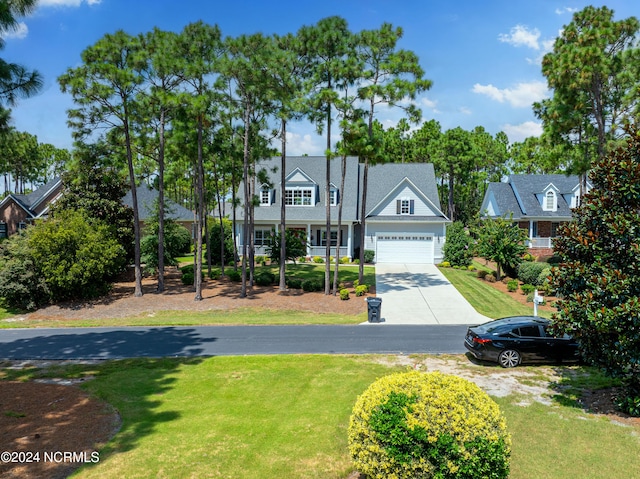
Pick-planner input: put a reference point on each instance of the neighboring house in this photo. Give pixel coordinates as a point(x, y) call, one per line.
point(539, 204)
point(18, 211)
point(404, 220)
point(147, 198)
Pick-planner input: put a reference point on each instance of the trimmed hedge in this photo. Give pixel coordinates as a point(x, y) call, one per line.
point(428, 425)
point(529, 273)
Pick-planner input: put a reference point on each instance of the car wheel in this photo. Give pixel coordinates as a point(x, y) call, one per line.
point(509, 358)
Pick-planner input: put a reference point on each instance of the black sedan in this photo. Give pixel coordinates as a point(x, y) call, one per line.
point(519, 339)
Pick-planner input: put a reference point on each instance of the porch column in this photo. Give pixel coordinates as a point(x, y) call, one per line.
point(309, 239)
point(530, 233)
point(350, 241)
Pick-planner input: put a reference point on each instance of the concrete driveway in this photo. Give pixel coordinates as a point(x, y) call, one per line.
point(420, 294)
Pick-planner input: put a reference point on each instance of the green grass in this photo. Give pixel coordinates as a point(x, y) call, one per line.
point(485, 299)
point(242, 316)
point(287, 416)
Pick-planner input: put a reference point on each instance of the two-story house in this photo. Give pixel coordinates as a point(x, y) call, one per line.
point(404, 222)
point(538, 203)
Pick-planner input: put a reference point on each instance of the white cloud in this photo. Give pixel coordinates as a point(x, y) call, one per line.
point(302, 144)
point(66, 3)
point(430, 104)
point(464, 110)
point(520, 35)
point(522, 95)
point(562, 11)
point(20, 31)
point(522, 131)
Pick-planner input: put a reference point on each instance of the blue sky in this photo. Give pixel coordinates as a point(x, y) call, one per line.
point(482, 56)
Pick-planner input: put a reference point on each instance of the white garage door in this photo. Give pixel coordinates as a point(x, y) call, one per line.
point(404, 248)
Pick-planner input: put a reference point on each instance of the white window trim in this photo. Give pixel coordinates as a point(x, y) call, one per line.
point(265, 196)
point(405, 206)
point(550, 195)
point(301, 191)
point(334, 237)
point(333, 197)
point(264, 233)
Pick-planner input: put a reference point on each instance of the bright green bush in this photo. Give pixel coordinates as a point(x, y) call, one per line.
point(344, 260)
point(318, 259)
point(445, 264)
point(529, 273)
point(362, 290)
point(527, 288)
point(428, 425)
point(344, 294)
point(512, 285)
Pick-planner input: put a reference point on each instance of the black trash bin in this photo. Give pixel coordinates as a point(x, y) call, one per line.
point(374, 310)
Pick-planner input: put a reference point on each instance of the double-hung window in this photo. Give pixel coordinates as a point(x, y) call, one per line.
point(334, 238)
point(261, 237)
point(298, 197)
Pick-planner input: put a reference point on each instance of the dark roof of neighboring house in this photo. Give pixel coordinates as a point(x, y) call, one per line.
point(517, 195)
point(30, 201)
point(148, 196)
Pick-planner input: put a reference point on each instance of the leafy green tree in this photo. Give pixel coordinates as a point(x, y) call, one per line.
point(98, 190)
point(15, 80)
point(458, 250)
point(296, 246)
point(502, 241)
point(599, 277)
point(66, 257)
point(594, 79)
point(104, 88)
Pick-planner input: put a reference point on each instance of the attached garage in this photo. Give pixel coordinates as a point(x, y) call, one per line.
point(404, 248)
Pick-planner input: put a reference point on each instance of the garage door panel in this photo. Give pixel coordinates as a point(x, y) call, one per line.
point(404, 248)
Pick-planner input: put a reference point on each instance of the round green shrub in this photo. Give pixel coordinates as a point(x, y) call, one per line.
point(369, 255)
point(361, 290)
point(294, 283)
point(187, 278)
point(529, 273)
point(318, 259)
point(445, 264)
point(235, 275)
point(512, 285)
point(344, 294)
point(527, 288)
point(310, 285)
point(265, 278)
point(428, 425)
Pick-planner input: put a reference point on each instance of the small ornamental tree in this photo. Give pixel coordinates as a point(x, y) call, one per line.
point(502, 241)
point(296, 245)
point(428, 425)
point(457, 249)
point(599, 276)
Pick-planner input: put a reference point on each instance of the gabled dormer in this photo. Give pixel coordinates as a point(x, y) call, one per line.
point(266, 195)
point(405, 199)
point(549, 198)
point(300, 189)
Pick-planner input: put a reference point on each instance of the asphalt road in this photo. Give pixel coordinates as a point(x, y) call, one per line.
point(131, 342)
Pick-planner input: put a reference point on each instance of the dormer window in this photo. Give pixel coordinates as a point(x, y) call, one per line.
point(550, 203)
point(333, 197)
point(265, 196)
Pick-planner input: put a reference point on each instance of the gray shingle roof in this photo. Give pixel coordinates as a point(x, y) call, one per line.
point(31, 200)
point(518, 195)
point(382, 180)
point(146, 198)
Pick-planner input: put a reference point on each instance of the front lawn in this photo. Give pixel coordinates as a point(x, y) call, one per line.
point(287, 416)
point(484, 298)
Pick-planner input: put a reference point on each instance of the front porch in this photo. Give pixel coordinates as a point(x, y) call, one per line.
point(314, 234)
